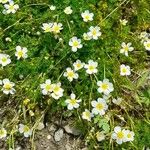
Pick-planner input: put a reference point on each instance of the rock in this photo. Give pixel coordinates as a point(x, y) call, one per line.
point(40, 126)
point(49, 137)
point(72, 130)
point(58, 135)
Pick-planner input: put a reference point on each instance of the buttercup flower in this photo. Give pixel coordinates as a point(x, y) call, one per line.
point(75, 43)
point(47, 27)
point(87, 115)
point(94, 32)
point(57, 91)
point(25, 130)
point(72, 102)
point(119, 135)
point(129, 135)
point(47, 87)
point(11, 7)
point(8, 86)
point(3, 133)
point(147, 45)
point(78, 65)
point(57, 27)
point(68, 10)
point(123, 22)
point(105, 87)
point(21, 52)
point(91, 67)
point(4, 59)
point(99, 106)
point(86, 37)
point(52, 7)
point(126, 48)
point(87, 16)
point(70, 74)
point(125, 70)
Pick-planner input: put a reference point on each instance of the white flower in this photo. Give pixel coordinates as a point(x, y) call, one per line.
point(4, 59)
point(87, 16)
point(11, 7)
point(8, 86)
point(91, 67)
point(86, 37)
point(72, 102)
point(47, 87)
point(87, 115)
point(147, 45)
point(52, 7)
point(117, 101)
point(68, 10)
point(57, 91)
point(70, 74)
point(57, 27)
point(21, 52)
point(105, 87)
point(126, 48)
point(47, 27)
point(125, 70)
point(8, 39)
point(119, 135)
point(99, 106)
point(25, 130)
point(94, 32)
point(123, 22)
point(100, 136)
point(129, 135)
point(144, 36)
point(3, 133)
point(4, 1)
point(78, 65)
point(75, 43)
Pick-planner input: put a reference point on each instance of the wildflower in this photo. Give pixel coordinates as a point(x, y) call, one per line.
point(70, 74)
point(3, 133)
point(68, 10)
point(8, 39)
point(94, 32)
point(129, 135)
point(87, 16)
point(57, 27)
point(105, 87)
point(144, 36)
point(47, 27)
point(52, 7)
point(8, 86)
point(117, 101)
point(11, 7)
point(78, 65)
point(91, 67)
point(87, 115)
point(124, 70)
point(123, 22)
point(57, 91)
point(86, 37)
point(147, 45)
point(99, 106)
point(21, 52)
point(119, 135)
point(4, 1)
point(126, 48)
point(100, 136)
point(25, 130)
point(47, 87)
point(4, 59)
point(75, 43)
point(72, 102)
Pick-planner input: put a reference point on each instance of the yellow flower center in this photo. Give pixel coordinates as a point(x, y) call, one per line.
point(56, 89)
point(87, 17)
point(94, 32)
point(2, 132)
point(129, 135)
point(124, 70)
point(4, 59)
point(56, 28)
point(11, 7)
point(104, 86)
point(148, 45)
point(75, 43)
point(87, 114)
point(7, 86)
point(48, 87)
point(91, 68)
point(73, 101)
point(26, 129)
point(78, 65)
point(99, 106)
point(71, 74)
point(126, 48)
point(47, 29)
point(20, 53)
point(120, 135)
